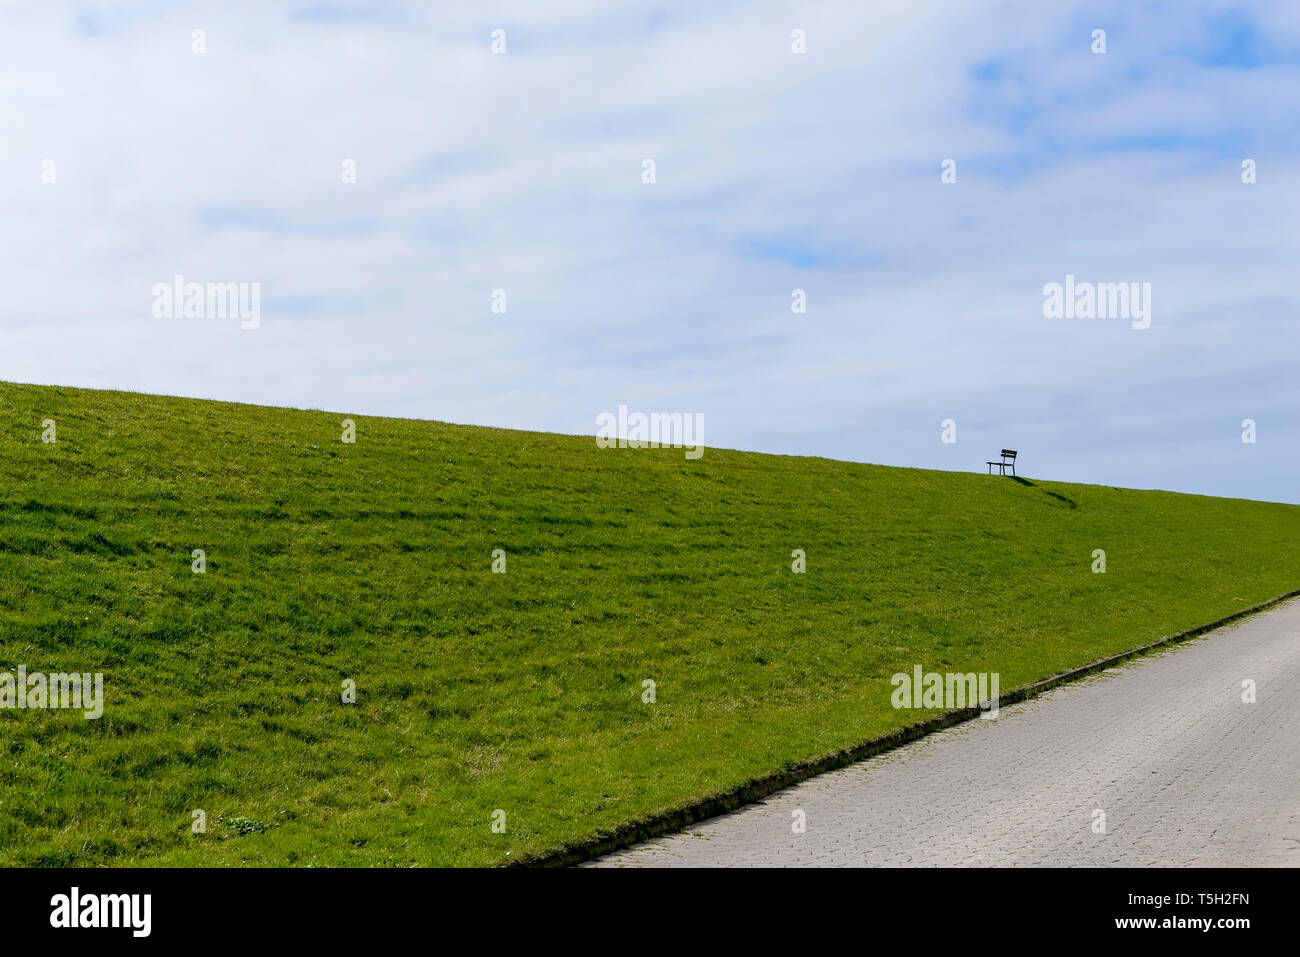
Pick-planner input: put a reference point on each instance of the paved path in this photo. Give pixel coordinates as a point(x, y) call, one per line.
point(1186, 773)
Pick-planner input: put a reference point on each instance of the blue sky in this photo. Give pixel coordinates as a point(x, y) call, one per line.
point(775, 171)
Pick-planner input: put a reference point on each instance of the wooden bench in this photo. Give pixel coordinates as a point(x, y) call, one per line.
point(1008, 459)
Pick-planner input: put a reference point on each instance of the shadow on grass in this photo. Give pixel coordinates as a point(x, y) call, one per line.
point(1056, 495)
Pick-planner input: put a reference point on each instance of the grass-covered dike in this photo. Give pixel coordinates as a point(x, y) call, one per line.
point(372, 562)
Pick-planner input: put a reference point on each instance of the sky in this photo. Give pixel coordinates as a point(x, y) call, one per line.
point(127, 158)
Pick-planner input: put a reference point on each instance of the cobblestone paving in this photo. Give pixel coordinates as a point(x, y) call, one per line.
point(1186, 773)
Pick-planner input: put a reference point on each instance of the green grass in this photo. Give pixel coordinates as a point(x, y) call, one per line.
point(522, 691)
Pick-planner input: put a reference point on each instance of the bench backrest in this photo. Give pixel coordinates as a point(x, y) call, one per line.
point(1009, 453)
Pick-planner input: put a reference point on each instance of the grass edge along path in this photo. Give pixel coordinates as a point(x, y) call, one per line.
point(678, 819)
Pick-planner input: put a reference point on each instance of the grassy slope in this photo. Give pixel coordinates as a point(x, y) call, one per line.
point(519, 691)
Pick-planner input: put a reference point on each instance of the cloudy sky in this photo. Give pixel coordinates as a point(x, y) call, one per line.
point(774, 171)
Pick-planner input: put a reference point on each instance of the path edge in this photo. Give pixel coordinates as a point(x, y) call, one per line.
point(677, 819)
